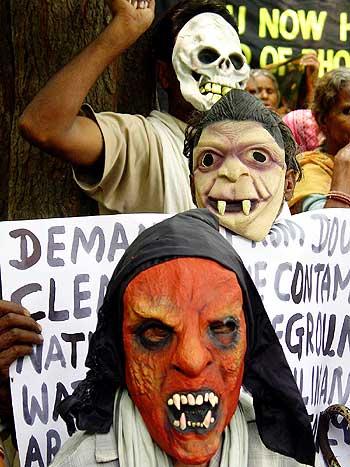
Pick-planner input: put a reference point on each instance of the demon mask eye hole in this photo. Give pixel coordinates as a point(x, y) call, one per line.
point(208, 55)
point(154, 335)
point(224, 332)
point(259, 157)
point(207, 160)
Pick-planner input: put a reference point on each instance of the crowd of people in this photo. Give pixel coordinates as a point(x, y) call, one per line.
point(228, 144)
point(321, 133)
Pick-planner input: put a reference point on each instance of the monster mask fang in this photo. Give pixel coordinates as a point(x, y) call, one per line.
point(246, 206)
point(193, 411)
point(221, 207)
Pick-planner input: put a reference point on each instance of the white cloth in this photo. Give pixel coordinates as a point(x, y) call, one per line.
point(136, 447)
point(284, 213)
point(241, 447)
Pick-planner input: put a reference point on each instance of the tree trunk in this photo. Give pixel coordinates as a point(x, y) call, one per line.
point(6, 104)
point(37, 38)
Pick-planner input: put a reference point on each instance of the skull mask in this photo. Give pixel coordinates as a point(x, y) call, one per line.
point(208, 60)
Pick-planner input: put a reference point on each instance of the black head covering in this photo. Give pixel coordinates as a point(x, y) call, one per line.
point(281, 416)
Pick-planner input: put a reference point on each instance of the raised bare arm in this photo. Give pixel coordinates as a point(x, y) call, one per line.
point(51, 120)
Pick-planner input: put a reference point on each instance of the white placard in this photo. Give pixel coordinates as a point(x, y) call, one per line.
point(302, 272)
point(60, 268)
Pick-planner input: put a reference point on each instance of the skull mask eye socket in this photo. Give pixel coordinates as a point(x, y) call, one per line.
point(208, 55)
point(237, 61)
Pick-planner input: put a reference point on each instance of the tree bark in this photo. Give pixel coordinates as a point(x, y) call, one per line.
point(137, 78)
point(6, 104)
point(37, 38)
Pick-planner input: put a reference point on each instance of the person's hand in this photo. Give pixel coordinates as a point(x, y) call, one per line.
point(343, 154)
point(135, 16)
point(340, 178)
point(312, 66)
point(18, 333)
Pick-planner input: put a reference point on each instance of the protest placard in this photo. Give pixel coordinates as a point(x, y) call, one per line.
point(302, 272)
point(59, 269)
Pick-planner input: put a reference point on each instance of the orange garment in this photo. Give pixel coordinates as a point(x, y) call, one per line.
point(317, 170)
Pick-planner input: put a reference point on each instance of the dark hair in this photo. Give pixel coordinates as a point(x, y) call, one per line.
point(239, 105)
point(326, 93)
point(174, 19)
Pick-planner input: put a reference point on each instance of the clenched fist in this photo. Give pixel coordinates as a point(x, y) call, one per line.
point(133, 17)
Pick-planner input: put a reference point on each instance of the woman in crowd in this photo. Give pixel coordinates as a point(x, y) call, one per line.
point(326, 171)
point(304, 128)
point(252, 86)
point(264, 85)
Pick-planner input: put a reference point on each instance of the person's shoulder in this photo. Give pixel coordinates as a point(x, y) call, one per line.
point(167, 120)
point(77, 450)
point(316, 155)
point(88, 450)
point(305, 154)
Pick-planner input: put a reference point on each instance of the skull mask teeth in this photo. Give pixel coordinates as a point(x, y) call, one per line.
point(208, 60)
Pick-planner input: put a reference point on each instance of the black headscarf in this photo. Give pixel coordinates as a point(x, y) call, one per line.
point(281, 417)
